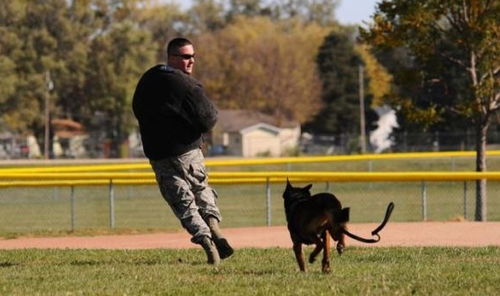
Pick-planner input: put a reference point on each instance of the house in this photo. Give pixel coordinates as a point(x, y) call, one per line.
point(69, 138)
point(249, 133)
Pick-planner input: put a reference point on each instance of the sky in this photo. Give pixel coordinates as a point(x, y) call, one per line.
point(355, 11)
point(348, 12)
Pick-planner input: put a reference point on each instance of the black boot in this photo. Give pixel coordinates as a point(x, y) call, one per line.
point(211, 251)
point(220, 241)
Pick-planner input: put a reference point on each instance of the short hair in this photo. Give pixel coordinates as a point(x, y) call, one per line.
point(176, 43)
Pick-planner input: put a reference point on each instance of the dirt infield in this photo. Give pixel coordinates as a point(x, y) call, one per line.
point(470, 234)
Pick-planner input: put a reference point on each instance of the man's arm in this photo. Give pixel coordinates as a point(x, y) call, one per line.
point(202, 111)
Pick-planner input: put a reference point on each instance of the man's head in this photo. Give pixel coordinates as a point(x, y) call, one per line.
point(180, 55)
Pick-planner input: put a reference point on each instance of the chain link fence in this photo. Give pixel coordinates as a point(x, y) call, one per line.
point(62, 209)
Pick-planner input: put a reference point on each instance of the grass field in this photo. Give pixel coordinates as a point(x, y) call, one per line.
point(360, 271)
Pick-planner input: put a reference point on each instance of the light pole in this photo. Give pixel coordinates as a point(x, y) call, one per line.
point(50, 86)
point(362, 111)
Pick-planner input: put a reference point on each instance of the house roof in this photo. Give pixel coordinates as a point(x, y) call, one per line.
point(237, 120)
point(263, 126)
point(67, 128)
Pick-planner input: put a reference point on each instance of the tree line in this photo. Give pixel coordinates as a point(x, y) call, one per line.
point(287, 58)
point(84, 58)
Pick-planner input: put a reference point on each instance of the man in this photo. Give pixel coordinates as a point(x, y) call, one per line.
point(173, 112)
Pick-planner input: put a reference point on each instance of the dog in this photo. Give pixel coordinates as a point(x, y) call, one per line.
point(313, 219)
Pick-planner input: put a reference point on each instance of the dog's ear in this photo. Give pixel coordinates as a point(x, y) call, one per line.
point(308, 187)
point(288, 185)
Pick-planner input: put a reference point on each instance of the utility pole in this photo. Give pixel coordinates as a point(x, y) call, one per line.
point(50, 86)
point(362, 139)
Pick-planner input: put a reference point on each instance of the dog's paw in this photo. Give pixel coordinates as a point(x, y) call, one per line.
point(312, 259)
point(340, 249)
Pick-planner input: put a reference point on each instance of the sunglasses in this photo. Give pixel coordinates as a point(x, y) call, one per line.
point(184, 56)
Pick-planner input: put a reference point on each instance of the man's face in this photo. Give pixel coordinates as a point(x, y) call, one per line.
point(183, 59)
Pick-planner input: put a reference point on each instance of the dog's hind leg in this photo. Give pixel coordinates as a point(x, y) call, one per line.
point(341, 244)
point(339, 237)
point(317, 249)
point(325, 263)
point(299, 255)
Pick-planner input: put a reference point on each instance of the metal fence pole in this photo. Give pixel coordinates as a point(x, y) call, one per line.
point(73, 215)
point(268, 201)
point(465, 200)
point(327, 188)
point(424, 201)
point(111, 204)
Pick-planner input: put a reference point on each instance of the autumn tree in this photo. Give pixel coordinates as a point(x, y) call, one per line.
point(261, 65)
point(448, 38)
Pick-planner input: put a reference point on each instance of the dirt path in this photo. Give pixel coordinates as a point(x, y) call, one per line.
point(471, 234)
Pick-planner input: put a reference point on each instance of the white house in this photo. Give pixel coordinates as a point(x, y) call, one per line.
point(250, 133)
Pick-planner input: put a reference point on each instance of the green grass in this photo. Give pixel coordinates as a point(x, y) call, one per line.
point(360, 271)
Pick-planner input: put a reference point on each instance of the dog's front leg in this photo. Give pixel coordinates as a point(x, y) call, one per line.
point(325, 263)
point(297, 249)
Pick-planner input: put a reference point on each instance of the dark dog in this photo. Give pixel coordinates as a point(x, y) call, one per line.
point(313, 219)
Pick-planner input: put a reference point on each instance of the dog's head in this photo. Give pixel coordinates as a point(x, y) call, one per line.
point(294, 193)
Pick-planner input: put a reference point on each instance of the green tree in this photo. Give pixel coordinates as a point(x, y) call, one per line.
point(448, 38)
point(338, 63)
point(93, 52)
point(36, 40)
point(120, 56)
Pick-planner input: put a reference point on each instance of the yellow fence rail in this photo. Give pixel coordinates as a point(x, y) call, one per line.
point(117, 178)
point(244, 162)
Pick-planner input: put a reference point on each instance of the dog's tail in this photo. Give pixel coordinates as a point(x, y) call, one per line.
point(375, 232)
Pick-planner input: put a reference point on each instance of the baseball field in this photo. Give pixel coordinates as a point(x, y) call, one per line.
point(447, 255)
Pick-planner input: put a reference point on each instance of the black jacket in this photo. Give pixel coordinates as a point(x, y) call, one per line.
point(173, 112)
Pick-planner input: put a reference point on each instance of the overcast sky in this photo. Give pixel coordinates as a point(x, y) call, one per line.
point(348, 12)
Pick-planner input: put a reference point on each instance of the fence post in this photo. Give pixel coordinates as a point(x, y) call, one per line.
point(327, 188)
point(72, 199)
point(424, 201)
point(111, 204)
point(268, 202)
point(465, 200)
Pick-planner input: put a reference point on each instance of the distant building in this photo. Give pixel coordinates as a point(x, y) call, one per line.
point(69, 138)
point(250, 133)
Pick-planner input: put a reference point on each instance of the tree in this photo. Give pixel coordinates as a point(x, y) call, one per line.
point(380, 81)
point(261, 65)
point(120, 56)
point(206, 15)
point(338, 63)
point(448, 38)
point(36, 35)
point(317, 11)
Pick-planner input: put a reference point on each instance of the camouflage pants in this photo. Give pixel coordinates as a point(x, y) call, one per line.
point(183, 184)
